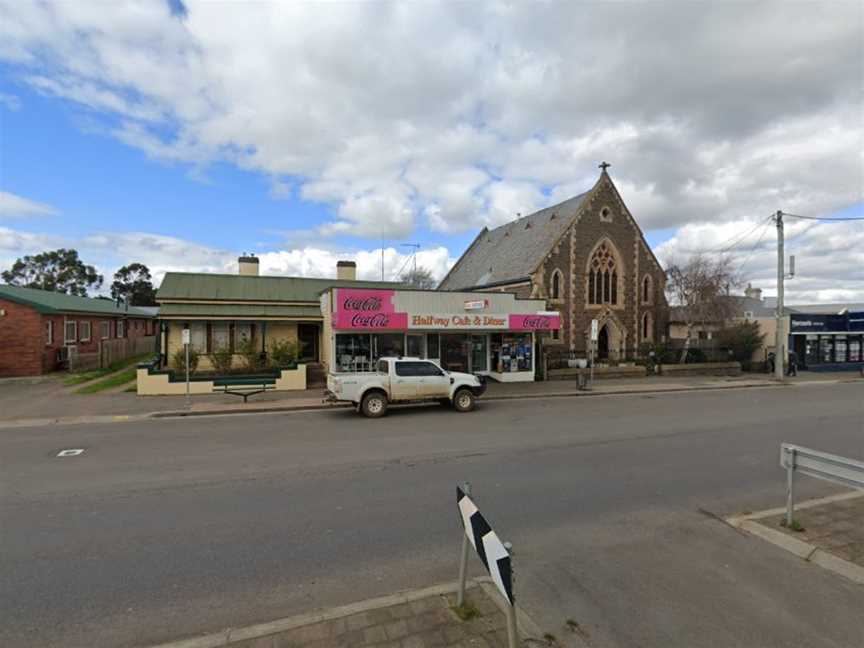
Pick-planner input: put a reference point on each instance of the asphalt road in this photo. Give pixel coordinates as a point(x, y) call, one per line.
point(169, 528)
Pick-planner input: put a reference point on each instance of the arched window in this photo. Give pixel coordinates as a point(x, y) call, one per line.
point(646, 328)
point(555, 288)
point(603, 276)
point(646, 289)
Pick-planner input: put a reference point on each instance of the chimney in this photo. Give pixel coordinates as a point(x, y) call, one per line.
point(753, 293)
point(346, 271)
point(248, 265)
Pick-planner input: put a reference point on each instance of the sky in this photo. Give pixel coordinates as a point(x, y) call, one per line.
point(182, 134)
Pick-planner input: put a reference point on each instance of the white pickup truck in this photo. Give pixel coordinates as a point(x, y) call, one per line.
point(403, 380)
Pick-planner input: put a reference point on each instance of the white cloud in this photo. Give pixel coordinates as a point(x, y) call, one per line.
point(456, 116)
point(12, 206)
point(11, 102)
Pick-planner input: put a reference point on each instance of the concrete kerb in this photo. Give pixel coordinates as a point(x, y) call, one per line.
point(231, 635)
point(804, 550)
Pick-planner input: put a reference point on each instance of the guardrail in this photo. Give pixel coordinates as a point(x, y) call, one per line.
point(821, 465)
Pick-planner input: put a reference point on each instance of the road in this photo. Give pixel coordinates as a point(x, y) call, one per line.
point(164, 529)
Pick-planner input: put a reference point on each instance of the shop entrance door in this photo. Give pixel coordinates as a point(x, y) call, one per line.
point(479, 353)
point(454, 351)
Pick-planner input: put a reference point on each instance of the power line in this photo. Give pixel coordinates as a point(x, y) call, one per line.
point(765, 228)
point(824, 218)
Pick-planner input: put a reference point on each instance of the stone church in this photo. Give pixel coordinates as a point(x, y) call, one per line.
point(588, 258)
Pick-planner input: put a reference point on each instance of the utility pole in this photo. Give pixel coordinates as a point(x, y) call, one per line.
point(779, 359)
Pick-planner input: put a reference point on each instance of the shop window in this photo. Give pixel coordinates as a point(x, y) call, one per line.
point(603, 275)
point(512, 352)
point(855, 349)
point(840, 348)
point(811, 349)
point(388, 344)
point(49, 333)
point(826, 349)
point(353, 352)
point(84, 328)
point(70, 333)
point(105, 329)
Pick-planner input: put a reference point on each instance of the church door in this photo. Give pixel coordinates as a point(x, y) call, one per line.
point(603, 343)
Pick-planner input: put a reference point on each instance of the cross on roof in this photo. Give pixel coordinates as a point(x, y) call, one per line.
point(604, 165)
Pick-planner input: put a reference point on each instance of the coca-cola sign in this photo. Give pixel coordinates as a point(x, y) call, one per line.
point(535, 322)
point(369, 308)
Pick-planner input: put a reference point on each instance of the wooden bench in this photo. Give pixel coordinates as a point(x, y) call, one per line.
point(244, 387)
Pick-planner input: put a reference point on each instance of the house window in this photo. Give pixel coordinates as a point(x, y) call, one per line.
point(220, 338)
point(646, 289)
point(198, 336)
point(70, 332)
point(49, 333)
point(242, 333)
point(85, 331)
point(603, 276)
point(105, 329)
point(121, 328)
point(555, 288)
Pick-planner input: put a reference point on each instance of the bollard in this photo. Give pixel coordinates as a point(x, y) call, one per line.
point(790, 481)
point(463, 559)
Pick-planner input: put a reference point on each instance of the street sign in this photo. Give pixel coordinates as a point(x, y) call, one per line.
point(186, 336)
point(490, 549)
point(595, 330)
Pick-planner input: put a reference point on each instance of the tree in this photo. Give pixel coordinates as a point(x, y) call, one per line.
point(58, 271)
point(419, 277)
point(700, 288)
point(743, 340)
point(134, 284)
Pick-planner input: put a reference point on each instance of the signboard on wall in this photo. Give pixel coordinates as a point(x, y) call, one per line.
point(476, 304)
point(374, 309)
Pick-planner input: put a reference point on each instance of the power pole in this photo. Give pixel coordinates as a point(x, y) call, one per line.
point(779, 359)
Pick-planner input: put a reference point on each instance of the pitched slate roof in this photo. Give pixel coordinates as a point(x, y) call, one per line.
point(192, 286)
point(48, 302)
point(511, 252)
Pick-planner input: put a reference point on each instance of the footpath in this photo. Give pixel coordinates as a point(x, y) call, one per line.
point(49, 402)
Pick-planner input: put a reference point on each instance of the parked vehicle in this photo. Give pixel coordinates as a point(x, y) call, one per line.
point(404, 380)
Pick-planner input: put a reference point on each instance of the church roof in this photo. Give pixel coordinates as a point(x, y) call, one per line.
point(511, 252)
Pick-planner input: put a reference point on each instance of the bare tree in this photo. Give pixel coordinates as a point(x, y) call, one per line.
point(419, 277)
point(700, 289)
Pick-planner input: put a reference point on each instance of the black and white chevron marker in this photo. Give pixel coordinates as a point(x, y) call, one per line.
point(489, 547)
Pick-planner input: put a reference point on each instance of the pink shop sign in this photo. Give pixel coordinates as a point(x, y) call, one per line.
point(359, 308)
point(534, 322)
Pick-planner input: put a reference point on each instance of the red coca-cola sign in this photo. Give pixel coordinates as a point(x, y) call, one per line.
point(535, 322)
point(359, 308)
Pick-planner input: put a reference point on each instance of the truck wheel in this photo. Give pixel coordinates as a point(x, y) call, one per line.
point(374, 405)
point(464, 400)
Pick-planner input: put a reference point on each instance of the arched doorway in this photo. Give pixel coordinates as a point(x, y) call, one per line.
point(603, 343)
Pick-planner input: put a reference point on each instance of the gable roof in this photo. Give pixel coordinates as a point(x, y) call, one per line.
point(511, 252)
point(194, 286)
point(48, 302)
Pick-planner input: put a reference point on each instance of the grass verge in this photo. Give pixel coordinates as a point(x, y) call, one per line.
point(87, 376)
point(121, 378)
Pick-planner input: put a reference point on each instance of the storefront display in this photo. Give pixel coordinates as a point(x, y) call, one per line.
point(494, 336)
point(833, 339)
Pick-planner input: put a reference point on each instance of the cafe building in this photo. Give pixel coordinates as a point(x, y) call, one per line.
point(828, 340)
point(495, 335)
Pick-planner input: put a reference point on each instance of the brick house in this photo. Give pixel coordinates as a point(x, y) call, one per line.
point(588, 258)
point(36, 325)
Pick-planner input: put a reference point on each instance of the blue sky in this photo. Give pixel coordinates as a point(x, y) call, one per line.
point(311, 132)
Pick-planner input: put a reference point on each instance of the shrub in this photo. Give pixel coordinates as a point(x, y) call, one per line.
point(283, 353)
point(221, 359)
point(250, 354)
point(743, 340)
point(179, 360)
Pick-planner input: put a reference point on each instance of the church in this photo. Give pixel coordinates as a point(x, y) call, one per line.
point(588, 259)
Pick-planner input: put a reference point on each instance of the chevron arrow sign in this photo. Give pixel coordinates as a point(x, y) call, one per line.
point(486, 543)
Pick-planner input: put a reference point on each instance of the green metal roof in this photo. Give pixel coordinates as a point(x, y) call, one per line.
point(238, 311)
point(222, 287)
point(48, 302)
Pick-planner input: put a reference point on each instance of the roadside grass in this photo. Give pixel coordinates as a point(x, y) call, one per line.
point(87, 376)
point(121, 378)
